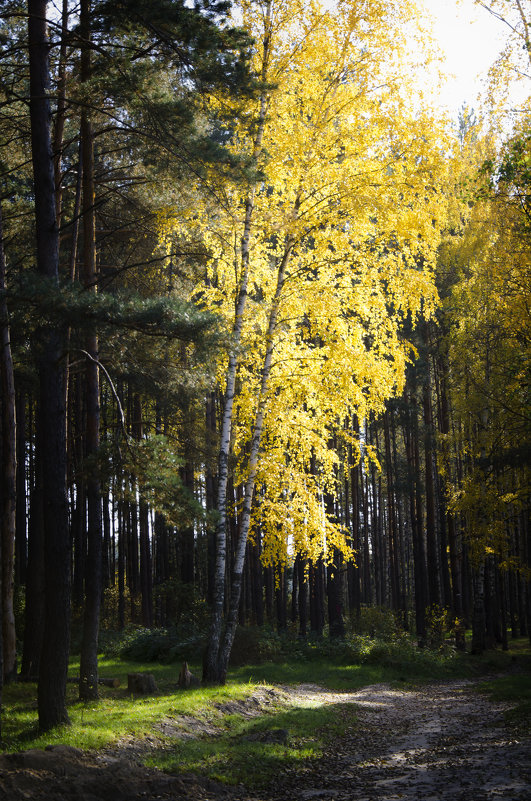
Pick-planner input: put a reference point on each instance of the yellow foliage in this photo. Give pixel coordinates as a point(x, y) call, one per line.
point(352, 202)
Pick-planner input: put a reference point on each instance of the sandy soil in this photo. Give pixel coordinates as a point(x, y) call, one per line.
point(439, 743)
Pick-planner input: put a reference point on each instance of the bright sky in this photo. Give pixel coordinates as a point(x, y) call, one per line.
point(471, 39)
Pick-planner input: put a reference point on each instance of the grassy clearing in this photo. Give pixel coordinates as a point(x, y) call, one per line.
point(117, 713)
point(281, 737)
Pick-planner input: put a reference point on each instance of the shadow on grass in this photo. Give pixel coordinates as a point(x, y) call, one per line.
point(254, 752)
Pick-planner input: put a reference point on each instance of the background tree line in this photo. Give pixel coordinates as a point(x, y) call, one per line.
point(224, 370)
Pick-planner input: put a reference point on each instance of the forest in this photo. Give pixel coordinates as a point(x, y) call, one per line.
point(264, 315)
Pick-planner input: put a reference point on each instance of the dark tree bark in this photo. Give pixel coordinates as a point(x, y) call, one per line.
point(8, 482)
point(88, 671)
point(1, 648)
point(122, 511)
point(54, 658)
point(301, 567)
point(434, 591)
point(60, 114)
point(478, 616)
point(34, 612)
point(317, 614)
point(415, 503)
point(334, 584)
point(281, 598)
point(392, 524)
point(258, 581)
point(295, 591)
point(21, 528)
point(354, 567)
point(366, 587)
point(187, 533)
point(269, 586)
point(146, 577)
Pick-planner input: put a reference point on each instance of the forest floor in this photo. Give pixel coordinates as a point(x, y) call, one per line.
point(440, 742)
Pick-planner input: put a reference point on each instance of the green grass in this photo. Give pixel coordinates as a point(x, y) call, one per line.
point(514, 689)
point(117, 713)
point(233, 757)
point(233, 754)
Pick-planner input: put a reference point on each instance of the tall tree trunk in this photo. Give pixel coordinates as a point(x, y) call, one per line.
point(34, 612)
point(317, 597)
point(21, 527)
point(245, 521)
point(122, 514)
point(415, 503)
point(366, 565)
point(353, 567)
point(54, 659)
point(393, 523)
point(281, 598)
point(8, 480)
point(478, 617)
point(434, 590)
point(88, 670)
point(186, 534)
point(60, 114)
point(301, 566)
point(334, 583)
point(212, 666)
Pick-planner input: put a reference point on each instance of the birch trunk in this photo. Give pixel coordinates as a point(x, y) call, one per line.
point(211, 666)
point(239, 557)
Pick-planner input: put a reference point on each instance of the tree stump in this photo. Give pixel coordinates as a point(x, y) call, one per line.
point(141, 683)
point(187, 678)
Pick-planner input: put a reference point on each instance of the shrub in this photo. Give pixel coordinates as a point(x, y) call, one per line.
point(438, 625)
point(153, 645)
point(376, 621)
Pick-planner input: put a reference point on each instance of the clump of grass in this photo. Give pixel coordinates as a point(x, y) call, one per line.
point(514, 689)
point(250, 753)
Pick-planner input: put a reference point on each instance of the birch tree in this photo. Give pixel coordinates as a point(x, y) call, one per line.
point(313, 267)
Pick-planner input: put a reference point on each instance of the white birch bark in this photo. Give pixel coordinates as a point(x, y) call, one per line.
point(239, 557)
point(211, 663)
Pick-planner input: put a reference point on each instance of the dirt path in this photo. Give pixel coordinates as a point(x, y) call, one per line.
point(440, 743)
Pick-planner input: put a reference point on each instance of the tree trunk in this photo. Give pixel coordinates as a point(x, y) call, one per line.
point(122, 512)
point(212, 666)
point(245, 521)
point(281, 598)
point(21, 527)
point(186, 534)
point(34, 612)
point(415, 503)
point(434, 592)
point(54, 659)
point(334, 588)
point(301, 566)
point(478, 617)
point(317, 598)
point(88, 670)
point(393, 524)
point(354, 571)
point(8, 480)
